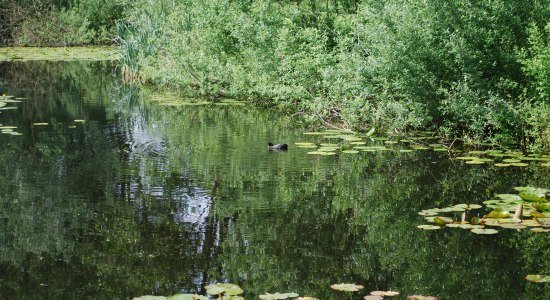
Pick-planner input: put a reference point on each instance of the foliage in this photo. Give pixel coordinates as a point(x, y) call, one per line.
point(59, 22)
point(397, 65)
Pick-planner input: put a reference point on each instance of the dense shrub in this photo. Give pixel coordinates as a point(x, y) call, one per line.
point(59, 22)
point(471, 69)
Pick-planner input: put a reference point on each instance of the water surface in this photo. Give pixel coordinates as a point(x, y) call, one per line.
point(147, 199)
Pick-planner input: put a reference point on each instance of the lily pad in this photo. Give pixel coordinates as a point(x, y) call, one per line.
point(304, 144)
point(186, 297)
point(420, 297)
point(540, 229)
point(428, 227)
point(278, 296)
point(501, 165)
point(538, 278)
point(346, 287)
point(350, 151)
point(373, 297)
point(443, 220)
point(39, 124)
point(384, 293)
point(322, 153)
point(227, 288)
point(484, 231)
point(149, 297)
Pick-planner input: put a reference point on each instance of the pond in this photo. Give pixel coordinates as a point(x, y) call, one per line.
point(105, 193)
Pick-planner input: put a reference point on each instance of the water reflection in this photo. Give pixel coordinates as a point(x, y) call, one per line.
point(145, 199)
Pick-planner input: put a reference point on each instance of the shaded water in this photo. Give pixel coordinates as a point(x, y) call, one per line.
point(145, 199)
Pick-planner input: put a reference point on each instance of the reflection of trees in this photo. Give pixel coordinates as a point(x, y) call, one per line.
point(295, 223)
point(145, 199)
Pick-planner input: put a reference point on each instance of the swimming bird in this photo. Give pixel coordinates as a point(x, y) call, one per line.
point(270, 146)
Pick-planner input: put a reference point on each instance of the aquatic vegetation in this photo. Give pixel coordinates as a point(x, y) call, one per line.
point(346, 287)
point(93, 53)
point(227, 289)
point(278, 296)
point(384, 293)
point(530, 206)
point(538, 278)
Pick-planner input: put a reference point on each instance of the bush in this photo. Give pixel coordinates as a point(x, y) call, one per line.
point(397, 65)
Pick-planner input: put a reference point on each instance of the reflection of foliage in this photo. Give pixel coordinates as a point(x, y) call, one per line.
point(294, 215)
point(99, 203)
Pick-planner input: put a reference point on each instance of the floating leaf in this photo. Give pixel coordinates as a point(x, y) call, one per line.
point(350, 151)
point(484, 231)
point(149, 297)
point(322, 153)
point(519, 164)
point(186, 297)
point(304, 144)
point(442, 220)
point(278, 296)
point(39, 124)
point(306, 298)
point(384, 293)
point(498, 214)
point(346, 287)
point(474, 162)
point(428, 227)
point(501, 165)
point(79, 121)
point(420, 297)
point(540, 229)
point(227, 288)
point(538, 278)
point(373, 297)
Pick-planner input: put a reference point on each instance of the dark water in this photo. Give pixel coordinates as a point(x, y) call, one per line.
point(145, 199)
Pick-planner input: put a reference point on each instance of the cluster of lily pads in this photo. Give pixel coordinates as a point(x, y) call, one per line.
point(500, 158)
point(347, 142)
point(5, 101)
point(530, 208)
point(229, 291)
point(175, 100)
point(94, 53)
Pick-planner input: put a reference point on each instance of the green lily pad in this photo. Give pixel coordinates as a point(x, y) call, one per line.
point(538, 278)
point(511, 160)
point(540, 229)
point(307, 146)
point(346, 287)
point(512, 226)
point(519, 164)
point(421, 297)
point(278, 296)
point(406, 150)
point(428, 212)
point(227, 288)
point(373, 297)
point(467, 157)
point(498, 214)
point(350, 151)
point(384, 293)
point(484, 231)
point(475, 162)
point(149, 297)
point(304, 144)
point(40, 124)
point(186, 297)
point(535, 195)
point(428, 227)
point(322, 153)
point(442, 220)
point(501, 165)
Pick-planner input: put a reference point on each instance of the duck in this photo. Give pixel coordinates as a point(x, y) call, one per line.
point(271, 147)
